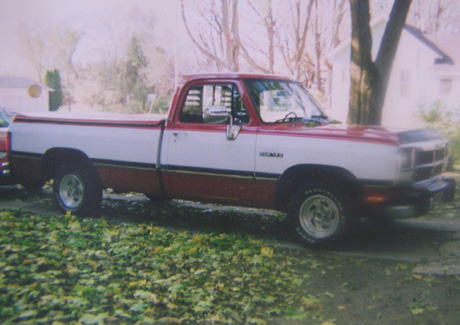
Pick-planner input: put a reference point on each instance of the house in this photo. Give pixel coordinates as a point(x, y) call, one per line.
point(21, 94)
point(425, 75)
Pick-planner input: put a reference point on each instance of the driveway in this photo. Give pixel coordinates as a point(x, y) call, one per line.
point(432, 242)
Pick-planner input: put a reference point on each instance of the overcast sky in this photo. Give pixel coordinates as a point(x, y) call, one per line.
point(95, 17)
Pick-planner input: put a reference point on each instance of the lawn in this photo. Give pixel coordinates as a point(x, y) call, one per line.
point(68, 269)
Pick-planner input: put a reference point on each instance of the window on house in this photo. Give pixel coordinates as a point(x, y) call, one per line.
point(445, 86)
point(405, 83)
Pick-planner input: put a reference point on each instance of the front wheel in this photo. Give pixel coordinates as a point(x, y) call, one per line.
point(77, 190)
point(317, 214)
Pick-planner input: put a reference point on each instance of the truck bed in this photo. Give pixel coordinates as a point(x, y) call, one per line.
point(122, 148)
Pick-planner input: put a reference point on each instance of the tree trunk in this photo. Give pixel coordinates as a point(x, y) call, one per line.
point(362, 70)
point(369, 79)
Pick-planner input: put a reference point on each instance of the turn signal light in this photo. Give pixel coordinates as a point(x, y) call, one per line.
point(375, 199)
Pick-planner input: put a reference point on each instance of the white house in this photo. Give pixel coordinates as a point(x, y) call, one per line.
point(20, 94)
point(426, 72)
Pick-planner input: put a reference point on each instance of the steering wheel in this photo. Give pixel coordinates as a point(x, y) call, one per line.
point(286, 117)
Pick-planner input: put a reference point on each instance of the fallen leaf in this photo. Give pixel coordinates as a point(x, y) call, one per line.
point(417, 310)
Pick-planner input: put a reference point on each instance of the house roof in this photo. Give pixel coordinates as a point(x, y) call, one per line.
point(444, 45)
point(449, 45)
point(430, 41)
point(20, 83)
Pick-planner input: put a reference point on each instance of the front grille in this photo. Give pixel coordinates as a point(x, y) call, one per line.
point(429, 163)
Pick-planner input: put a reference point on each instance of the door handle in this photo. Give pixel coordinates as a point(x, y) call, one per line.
point(179, 135)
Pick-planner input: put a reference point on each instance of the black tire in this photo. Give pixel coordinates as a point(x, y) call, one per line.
point(77, 190)
point(318, 214)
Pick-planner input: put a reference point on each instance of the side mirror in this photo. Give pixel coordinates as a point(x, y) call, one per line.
point(221, 115)
point(233, 131)
point(216, 114)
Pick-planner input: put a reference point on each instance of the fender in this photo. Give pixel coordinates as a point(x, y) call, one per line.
point(298, 175)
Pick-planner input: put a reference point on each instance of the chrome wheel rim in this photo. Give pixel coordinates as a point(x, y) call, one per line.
point(319, 216)
point(71, 191)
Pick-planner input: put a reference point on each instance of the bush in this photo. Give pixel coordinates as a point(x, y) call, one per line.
point(53, 80)
point(447, 121)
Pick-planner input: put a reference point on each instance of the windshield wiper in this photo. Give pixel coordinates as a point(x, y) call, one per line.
point(317, 117)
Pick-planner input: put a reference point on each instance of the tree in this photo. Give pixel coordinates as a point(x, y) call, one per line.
point(135, 78)
point(264, 12)
point(53, 80)
point(293, 43)
point(369, 79)
point(436, 16)
point(219, 39)
point(66, 41)
point(33, 47)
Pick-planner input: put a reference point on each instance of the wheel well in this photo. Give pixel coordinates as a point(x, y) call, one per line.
point(56, 158)
point(300, 175)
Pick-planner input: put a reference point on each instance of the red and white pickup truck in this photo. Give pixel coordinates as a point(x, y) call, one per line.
point(239, 139)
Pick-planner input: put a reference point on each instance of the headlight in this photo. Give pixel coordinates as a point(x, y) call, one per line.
point(406, 158)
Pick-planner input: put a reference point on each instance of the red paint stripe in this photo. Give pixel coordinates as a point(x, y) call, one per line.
point(141, 124)
point(265, 191)
point(129, 179)
point(4, 142)
point(279, 133)
point(211, 189)
point(339, 137)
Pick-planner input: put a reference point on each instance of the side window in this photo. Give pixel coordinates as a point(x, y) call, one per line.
point(405, 83)
point(225, 96)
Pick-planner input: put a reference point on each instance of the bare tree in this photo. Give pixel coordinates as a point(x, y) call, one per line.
point(311, 29)
point(249, 45)
point(219, 40)
point(369, 79)
point(338, 15)
point(66, 41)
point(293, 41)
point(33, 47)
point(437, 16)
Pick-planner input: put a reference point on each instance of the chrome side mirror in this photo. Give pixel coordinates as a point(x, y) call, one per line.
point(216, 114)
point(221, 115)
point(233, 131)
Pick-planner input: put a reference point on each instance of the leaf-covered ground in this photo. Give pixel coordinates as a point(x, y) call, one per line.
point(128, 267)
point(69, 269)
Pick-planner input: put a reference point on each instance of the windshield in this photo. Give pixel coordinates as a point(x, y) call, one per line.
point(279, 101)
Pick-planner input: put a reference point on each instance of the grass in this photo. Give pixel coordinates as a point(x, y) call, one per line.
point(71, 270)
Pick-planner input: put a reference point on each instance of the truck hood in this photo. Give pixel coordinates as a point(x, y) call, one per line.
point(356, 133)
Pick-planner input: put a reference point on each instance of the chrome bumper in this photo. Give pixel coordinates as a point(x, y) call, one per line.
point(421, 200)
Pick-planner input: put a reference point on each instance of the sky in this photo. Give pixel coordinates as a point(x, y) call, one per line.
point(99, 19)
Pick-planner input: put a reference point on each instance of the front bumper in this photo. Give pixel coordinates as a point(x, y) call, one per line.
point(409, 202)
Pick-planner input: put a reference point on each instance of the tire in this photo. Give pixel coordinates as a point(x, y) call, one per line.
point(317, 214)
point(78, 190)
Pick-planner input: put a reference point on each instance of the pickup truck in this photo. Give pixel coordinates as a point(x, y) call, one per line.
point(243, 140)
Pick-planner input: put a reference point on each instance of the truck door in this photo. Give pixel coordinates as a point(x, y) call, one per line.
point(202, 163)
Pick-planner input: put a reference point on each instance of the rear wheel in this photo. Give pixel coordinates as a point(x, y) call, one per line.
point(77, 190)
point(318, 214)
